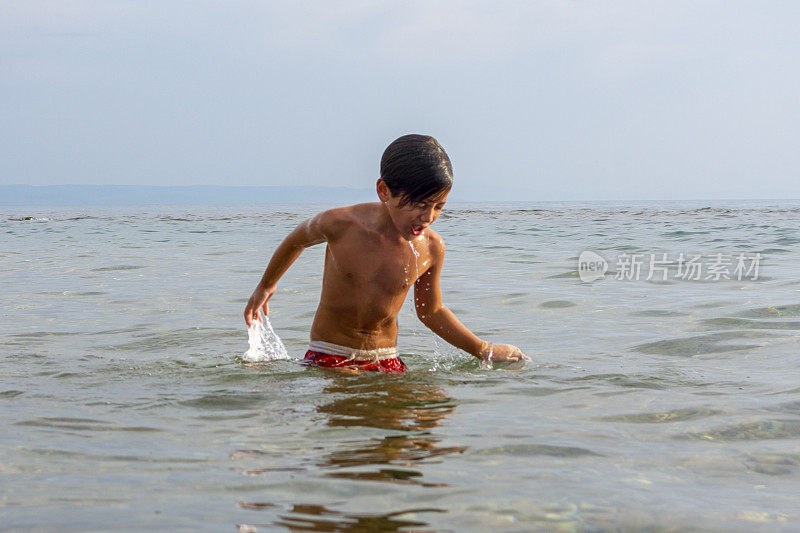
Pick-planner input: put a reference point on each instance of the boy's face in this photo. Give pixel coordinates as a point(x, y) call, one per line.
point(413, 218)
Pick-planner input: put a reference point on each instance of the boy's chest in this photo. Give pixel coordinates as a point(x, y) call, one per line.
point(371, 266)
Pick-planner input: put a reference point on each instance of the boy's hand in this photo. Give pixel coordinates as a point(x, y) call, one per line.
point(502, 353)
point(258, 300)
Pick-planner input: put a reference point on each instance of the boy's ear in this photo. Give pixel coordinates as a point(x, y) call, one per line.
point(383, 190)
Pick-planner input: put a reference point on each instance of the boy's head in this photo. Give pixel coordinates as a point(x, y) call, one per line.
point(416, 168)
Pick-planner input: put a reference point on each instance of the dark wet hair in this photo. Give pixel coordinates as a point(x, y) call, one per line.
point(416, 168)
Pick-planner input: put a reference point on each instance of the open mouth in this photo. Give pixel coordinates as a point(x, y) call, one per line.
point(417, 229)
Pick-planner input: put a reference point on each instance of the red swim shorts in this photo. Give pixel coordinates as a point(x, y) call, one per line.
point(393, 365)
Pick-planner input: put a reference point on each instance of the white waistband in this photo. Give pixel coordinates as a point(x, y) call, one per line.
point(353, 354)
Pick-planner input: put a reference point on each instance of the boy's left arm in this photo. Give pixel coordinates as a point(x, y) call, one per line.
point(440, 320)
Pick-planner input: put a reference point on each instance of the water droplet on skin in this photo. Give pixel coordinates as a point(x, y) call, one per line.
point(416, 255)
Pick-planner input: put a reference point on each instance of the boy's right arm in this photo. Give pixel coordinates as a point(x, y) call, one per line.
point(308, 233)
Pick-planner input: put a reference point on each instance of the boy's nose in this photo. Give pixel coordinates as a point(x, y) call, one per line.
point(427, 215)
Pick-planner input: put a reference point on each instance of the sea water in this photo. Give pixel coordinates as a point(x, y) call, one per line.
point(651, 402)
point(263, 343)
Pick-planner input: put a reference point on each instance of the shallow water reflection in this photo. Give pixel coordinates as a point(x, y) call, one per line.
point(410, 410)
point(387, 432)
point(319, 518)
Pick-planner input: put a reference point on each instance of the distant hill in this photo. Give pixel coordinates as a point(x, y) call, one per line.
point(31, 195)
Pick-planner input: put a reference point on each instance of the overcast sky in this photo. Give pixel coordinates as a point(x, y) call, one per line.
point(550, 100)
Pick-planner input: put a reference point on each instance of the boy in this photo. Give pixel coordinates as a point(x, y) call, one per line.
point(375, 251)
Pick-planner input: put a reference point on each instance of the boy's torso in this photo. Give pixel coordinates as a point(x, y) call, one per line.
point(367, 276)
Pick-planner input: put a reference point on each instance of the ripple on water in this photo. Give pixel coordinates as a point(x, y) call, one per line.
point(254, 506)
point(676, 415)
point(783, 311)
point(683, 233)
point(523, 450)
point(657, 313)
point(68, 375)
point(80, 424)
point(35, 335)
point(114, 268)
point(726, 322)
point(572, 274)
point(557, 304)
point(768, 251)
point(773, 464)
point(228, 401)
point(788, 407)
point(714, 305)
point(701, 344)
point(72, 293)
point(537, 391)
point(187, 337)
point(786, 241)
point(93, 457)
point(622, 380)
point(773, 429)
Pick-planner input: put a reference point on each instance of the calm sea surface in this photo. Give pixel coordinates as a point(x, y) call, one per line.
point(648, 404)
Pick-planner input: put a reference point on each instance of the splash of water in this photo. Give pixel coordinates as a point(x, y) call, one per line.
point(486, 364)
point(445, 358)
point(265, 345)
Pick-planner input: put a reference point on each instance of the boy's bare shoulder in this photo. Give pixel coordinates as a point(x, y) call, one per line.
point(336, 221)
point(349, 214)
point(435, 243)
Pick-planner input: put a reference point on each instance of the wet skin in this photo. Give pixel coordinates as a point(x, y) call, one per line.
point(375, 252)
